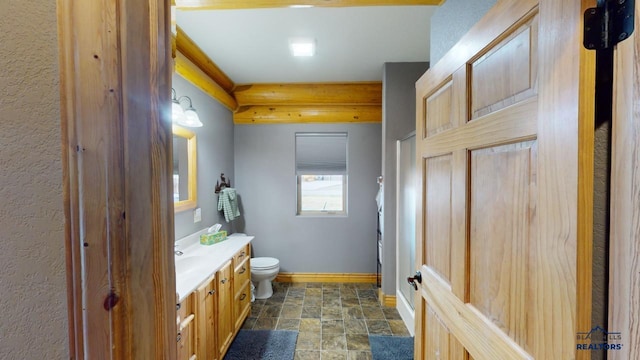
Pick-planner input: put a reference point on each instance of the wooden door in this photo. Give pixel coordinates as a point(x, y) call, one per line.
point(503, 149)
point(624, 276)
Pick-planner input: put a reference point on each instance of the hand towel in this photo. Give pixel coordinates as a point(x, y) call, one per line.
point(228, 203)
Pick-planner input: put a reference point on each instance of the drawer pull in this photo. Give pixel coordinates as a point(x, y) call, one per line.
point(242, 254)
point(243, 270)
point(243, 296)
point(211, 292)
point(223, 281)
point(179, 337)
point(178, 306)
point(186, 322)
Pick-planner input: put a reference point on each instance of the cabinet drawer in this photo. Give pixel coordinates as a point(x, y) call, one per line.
point(186, 328)
point(186, 348)
point(184, 309)
point(241, 255)
point(241, 305)
point(241, 275)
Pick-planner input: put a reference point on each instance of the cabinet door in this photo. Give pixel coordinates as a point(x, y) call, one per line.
point(205, 324)
point(211, 304)
point(225, 307)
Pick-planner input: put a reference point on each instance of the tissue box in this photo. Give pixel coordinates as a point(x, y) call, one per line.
point(210, 239)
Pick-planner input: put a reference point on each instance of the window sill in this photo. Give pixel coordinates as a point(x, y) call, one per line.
point(323, 215)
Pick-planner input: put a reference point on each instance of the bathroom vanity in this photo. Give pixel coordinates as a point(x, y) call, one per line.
point(213, 285)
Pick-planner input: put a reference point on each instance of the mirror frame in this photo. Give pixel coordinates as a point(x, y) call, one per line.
point(192, 200)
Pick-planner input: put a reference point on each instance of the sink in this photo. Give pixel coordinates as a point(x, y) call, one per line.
point(186, 266)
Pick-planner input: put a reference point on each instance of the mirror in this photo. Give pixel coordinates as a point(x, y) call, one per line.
point(185, 178)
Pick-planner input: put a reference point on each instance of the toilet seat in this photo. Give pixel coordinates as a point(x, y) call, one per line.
point(264, 263)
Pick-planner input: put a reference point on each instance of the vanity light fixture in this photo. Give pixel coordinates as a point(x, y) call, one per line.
point(180, 116)
point(302, 47)
point(177, 112)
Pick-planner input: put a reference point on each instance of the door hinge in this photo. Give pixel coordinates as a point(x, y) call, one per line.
point(609, 23)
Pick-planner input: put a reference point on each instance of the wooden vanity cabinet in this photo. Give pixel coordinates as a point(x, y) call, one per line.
point(186, 325)
point(216, 310)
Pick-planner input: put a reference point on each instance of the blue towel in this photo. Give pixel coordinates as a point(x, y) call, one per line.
point(228, 203)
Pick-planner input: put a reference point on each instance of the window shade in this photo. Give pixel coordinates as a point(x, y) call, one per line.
point(321, 153)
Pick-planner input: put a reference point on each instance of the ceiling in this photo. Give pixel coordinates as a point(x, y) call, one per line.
point(353, 43)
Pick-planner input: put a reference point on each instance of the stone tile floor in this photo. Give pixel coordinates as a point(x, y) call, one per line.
point(334, 320)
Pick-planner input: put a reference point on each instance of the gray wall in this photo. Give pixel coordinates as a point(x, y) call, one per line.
point(451, 21)
point(33, 299)
point(398, 120)
point(266, 183)
point(215, 156)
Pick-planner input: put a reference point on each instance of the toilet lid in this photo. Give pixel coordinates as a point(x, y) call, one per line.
point(264, 262)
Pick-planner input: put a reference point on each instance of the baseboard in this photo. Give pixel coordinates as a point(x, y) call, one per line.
point(327, 277)
point(386, 300)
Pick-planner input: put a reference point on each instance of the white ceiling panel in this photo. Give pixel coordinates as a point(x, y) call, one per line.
point(252, 46)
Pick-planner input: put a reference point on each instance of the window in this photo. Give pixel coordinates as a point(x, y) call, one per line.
point(321, 171)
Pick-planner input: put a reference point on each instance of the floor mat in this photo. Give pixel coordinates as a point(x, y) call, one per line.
point(391, 347)
point(263, 345)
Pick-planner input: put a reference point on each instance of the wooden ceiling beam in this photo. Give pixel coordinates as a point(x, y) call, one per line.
point(261, 4)
point(365, 93)
point(192, 73)
point(287, 114)
point(191, 51)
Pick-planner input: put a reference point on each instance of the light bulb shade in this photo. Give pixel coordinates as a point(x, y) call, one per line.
point(181, 116)
point(177, 112)
point(191, 118)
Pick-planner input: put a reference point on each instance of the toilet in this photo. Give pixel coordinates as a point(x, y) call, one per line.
point(263, 271)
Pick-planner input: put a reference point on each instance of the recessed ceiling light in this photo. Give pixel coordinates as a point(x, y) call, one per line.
point(300, 6)
point(302, 46)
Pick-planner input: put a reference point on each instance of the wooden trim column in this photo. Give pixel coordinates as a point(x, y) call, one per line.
point(115, 81)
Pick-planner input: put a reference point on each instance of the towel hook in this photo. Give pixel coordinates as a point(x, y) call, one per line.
point(224, 184)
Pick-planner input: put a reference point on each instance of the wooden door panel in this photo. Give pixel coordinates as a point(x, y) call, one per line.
point(438, 107)
point(506, 73)
point(498, 215)
point(437, 214)
point(502, 210)
point(477, 335)
point(516, 122)
point(437, 337)
point(438, 340)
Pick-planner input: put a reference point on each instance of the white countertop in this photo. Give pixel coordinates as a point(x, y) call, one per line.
point(215, 256)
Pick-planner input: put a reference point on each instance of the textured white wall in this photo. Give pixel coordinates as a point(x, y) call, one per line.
point(451, 21)
point(33, 323)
